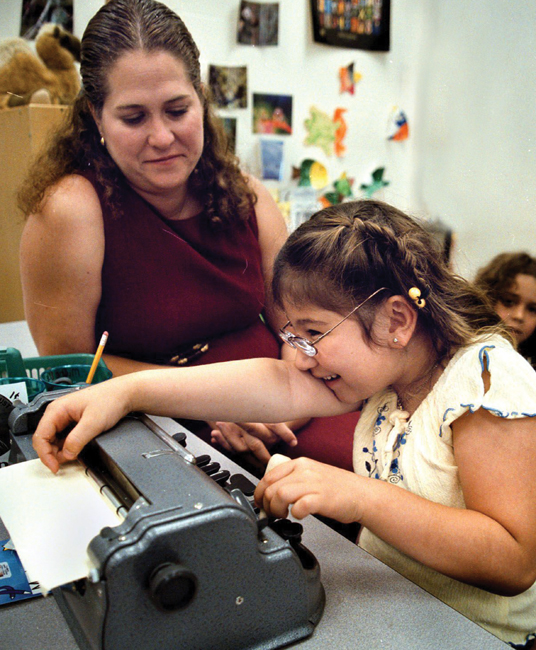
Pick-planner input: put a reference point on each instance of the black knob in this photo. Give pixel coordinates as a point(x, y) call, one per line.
point(172, 587)
point(202, 460)
point(211, 468)
point(289, 530)
point(180, 438)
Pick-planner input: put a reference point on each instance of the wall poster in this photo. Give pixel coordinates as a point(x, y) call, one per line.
point(361, 24)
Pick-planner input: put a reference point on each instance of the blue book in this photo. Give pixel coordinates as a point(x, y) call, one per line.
point(14, 583)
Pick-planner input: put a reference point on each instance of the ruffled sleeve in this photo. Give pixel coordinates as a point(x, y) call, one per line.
point(512, 391)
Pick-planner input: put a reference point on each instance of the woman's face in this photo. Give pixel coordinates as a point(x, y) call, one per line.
point(152, 122)
point(517, 306)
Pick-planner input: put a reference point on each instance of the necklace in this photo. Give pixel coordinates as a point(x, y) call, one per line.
point(415, 393)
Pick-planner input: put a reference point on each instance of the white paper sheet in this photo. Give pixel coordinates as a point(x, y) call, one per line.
point(15, 391)
point(51, 518)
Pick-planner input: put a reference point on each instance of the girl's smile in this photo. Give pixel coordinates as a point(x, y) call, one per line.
point(353, 367)
point(345, 362)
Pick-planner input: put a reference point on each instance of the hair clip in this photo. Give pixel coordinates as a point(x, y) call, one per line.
point(415, 294)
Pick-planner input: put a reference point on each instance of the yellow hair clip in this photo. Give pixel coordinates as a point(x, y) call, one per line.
point(415, 294)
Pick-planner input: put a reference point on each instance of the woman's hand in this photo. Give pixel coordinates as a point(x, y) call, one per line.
point(92, 410)
point(309, 487)
point(251, 437)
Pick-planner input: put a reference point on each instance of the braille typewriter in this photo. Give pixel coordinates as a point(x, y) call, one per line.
point(192, 566)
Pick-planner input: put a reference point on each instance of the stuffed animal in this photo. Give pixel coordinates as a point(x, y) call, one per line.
point(49, 76)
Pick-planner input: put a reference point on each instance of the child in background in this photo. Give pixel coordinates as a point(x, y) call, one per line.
point(445, 447)
point(509, 281)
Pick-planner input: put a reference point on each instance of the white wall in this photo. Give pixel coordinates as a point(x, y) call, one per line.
point(475, 125)
point(464, 73)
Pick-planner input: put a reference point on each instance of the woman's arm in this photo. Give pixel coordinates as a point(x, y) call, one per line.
point(491, 544)
point(61, 256)
point(262, 390)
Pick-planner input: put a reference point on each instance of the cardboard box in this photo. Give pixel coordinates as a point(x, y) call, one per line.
point(23, 132)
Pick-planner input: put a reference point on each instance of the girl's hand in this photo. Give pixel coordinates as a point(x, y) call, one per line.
point(93, 410)
point(310, 487)
point(251, 437)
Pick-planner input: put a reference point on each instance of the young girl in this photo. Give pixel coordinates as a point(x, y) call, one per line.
point(509, 282)
point(444, 450)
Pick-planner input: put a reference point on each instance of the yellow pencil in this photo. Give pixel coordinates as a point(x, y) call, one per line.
point(96, 359)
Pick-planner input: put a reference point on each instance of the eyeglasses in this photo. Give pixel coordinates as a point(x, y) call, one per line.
point(308, 347)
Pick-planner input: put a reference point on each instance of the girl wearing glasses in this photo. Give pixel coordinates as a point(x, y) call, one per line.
point(444, 450)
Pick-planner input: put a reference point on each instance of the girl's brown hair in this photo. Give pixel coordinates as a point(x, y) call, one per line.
point(119, 27)
point(345, 253)
point(497, 278)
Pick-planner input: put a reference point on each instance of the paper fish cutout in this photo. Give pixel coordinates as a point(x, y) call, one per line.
point(376, 184)
point(398, 126)
point(348, 79)
point(320, 130)
point(340, 133)
point(325, 132)
point(342, 190)
point(311, 174)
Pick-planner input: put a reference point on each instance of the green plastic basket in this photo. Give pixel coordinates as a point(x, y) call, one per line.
point(13, 365)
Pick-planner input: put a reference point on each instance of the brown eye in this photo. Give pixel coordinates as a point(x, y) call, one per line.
point(133, 119)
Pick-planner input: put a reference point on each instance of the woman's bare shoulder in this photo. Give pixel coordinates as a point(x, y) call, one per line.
point(69, 219)
point(73, 197)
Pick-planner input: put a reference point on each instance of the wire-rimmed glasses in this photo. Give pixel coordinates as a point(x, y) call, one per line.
point(308, 347)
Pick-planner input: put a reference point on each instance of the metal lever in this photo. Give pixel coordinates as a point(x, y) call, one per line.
point(166, 437)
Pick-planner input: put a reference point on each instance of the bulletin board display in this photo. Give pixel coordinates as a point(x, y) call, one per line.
point(361, 24)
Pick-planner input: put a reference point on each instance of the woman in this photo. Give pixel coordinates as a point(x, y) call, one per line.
point(140, 220)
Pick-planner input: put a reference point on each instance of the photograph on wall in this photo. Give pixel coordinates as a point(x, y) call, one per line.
point(272, 159)
point(272, 114)
point(35, 13)
point(258, 23)
point(229, 86)
point(229, 126)
point(361, 24)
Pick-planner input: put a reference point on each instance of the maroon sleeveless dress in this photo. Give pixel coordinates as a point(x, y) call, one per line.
point(168, 286)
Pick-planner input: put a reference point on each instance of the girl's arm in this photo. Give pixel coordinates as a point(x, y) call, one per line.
point(262, 390)
point(491, 544)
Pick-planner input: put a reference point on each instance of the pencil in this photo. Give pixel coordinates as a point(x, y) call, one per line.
point(96, 358)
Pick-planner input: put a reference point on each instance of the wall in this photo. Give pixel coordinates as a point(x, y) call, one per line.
point(464, 73)
point(475, 125)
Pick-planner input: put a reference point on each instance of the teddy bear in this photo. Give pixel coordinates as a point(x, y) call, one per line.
point(48, 76)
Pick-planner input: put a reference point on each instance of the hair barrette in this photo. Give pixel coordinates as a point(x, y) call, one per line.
point(415, 294)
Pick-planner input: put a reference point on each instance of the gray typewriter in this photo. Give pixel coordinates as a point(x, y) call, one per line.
point(192, 566)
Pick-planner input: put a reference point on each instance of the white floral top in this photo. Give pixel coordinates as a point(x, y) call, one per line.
point(417, 454)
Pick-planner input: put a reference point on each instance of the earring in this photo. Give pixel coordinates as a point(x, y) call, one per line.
point(102, 141)
point(395, 340)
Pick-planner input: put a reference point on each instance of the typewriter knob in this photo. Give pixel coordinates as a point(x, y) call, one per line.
point(172, 587)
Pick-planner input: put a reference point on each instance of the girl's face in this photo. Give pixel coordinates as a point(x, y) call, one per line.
point(351, 367)
point(517, 307)
point(152, 122)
